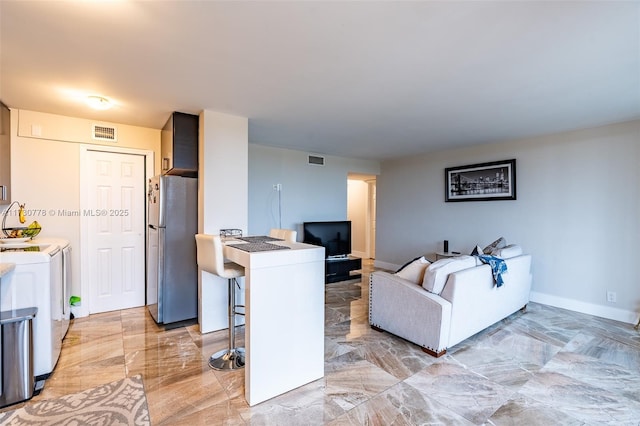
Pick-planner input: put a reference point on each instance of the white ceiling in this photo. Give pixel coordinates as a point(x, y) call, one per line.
point(372, 80)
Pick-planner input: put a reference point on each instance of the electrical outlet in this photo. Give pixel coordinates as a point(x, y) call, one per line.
point(612, 297)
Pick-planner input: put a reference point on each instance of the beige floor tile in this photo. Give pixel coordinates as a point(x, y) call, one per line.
point(499, 376)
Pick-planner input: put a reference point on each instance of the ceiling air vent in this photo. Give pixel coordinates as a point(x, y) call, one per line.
point(316, 160)
point(104, 133)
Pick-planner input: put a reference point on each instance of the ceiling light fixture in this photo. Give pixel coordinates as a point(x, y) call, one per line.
point(98, 102)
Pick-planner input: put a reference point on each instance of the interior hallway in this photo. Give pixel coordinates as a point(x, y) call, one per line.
point(544, 366)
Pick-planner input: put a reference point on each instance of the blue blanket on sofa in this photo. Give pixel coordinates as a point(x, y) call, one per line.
point(498, 267)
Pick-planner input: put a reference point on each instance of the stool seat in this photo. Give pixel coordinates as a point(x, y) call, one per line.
point(210, 256)
point(232, 270)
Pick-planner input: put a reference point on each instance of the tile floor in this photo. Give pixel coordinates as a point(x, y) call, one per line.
point(541, 367)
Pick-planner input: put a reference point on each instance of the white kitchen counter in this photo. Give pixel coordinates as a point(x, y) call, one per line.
point(284, 321)
point(5, 268)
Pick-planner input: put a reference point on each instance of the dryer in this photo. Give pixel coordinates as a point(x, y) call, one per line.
point(61, 308)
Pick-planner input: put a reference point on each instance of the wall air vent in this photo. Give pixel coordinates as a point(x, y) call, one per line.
point(316, 160)
point(104, 133)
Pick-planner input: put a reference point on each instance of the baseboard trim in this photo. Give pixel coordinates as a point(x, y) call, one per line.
point(608, 312)
point(360, 254)
point(79, 311)
point(386, 265)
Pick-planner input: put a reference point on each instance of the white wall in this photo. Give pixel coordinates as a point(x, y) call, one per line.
point(309, 192)
point(577, 213)
point(45, 171)
point(223, 175)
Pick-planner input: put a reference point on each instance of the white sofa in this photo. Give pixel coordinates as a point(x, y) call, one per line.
point(469, 302)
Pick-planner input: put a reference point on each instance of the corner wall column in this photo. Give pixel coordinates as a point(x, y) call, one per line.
point(223, 202)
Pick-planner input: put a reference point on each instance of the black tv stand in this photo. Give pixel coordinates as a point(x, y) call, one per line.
point(340, 269)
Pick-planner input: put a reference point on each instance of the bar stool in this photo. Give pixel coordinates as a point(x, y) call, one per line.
point(211, 259)
point(284, 234)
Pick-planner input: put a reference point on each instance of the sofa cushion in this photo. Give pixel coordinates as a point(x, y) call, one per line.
point(408, 263)
point(414, 270)
point(435, 277)
point(497, 244)
point(512, 250)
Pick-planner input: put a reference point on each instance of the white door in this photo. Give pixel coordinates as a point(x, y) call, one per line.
point(115, 209)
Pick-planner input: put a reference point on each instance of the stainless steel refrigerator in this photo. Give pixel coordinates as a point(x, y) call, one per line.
point(172, 271)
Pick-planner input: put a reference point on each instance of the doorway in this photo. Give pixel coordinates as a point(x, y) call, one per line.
point(113, 227)
point(361, 211)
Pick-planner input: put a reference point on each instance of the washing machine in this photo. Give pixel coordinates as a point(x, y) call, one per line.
point(36, 281)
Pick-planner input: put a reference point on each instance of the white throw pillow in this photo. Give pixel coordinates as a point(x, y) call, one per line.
point(512, 250)
point(414, 271)
point(435, 277)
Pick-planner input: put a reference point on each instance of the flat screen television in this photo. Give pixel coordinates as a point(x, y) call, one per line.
point(334, 236)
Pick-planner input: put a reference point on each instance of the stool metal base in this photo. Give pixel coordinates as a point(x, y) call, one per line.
point(227, 359)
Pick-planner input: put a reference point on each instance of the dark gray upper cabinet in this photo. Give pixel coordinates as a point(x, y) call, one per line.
point(179, 145)
point(5, 155)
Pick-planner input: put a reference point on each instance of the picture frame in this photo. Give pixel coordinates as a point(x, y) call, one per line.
point(491, 181)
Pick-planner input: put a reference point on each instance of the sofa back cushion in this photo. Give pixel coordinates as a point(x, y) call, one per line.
point(414, 271)
point(508, 252)
point(435, 277)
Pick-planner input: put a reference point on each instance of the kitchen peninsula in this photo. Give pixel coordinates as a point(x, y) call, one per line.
point(284, 321)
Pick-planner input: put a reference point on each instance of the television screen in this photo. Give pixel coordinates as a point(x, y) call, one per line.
point(335, 236)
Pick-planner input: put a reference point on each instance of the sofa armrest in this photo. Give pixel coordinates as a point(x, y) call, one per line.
point(477, 303)
point(408, 311)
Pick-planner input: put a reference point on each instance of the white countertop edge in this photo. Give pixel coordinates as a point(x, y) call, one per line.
point(299, 253)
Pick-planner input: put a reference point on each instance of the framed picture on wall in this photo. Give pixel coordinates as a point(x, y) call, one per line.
point(481, 182)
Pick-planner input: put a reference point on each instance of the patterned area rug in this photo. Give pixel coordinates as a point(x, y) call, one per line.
point(118, 403)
